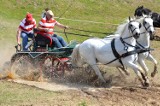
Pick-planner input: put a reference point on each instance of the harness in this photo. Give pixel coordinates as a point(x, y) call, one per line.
point(115, 52)
point(118, 56)
point(138, 48)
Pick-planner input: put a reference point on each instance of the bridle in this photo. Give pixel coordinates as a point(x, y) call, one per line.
point(132, 31)
point(146, 28)
point(144, 24)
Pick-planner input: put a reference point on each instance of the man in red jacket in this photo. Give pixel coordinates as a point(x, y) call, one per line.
point(25, 30)
point(46, 26)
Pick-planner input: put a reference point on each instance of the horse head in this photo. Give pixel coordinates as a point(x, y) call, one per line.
point(130, 28)
point(147, 23)
point(134, 28)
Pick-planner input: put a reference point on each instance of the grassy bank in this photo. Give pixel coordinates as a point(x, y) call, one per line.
point(92, 15)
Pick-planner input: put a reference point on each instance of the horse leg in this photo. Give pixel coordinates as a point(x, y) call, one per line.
point(92, 62)
point(150, 58)
point(121, 70)
point(98, 73)
point(143, 65)
point(138, 71)
point(88, 69)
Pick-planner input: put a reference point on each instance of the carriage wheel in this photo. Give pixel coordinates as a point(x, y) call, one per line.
point(59, 67)
point(22, 66)
point(67, 65)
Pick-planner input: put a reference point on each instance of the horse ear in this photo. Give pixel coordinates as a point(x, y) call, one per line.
point(129, 18)
point(140, 25)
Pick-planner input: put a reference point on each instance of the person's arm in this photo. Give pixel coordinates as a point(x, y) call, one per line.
point(61, 25)
point(35, 24)
point(42, 29)
point(18, 36)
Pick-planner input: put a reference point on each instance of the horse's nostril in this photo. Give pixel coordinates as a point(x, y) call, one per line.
point(150, 32)
point(136, 36)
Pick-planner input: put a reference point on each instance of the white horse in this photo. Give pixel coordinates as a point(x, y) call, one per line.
point(104, 51)
point(143, 42)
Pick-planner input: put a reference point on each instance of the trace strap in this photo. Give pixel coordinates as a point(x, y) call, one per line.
point(116, 54)
point(118, 57)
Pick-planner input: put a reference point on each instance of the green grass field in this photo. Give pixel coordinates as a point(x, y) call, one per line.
point(90, 15)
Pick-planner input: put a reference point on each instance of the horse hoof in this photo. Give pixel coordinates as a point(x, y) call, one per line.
point(146, 84)
point(153, 74)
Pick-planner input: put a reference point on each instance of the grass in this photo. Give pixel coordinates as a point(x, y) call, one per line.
point(106, 12)
point(109, 13)
point(15, 94)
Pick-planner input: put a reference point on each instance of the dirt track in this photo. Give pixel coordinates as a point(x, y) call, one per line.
point(130, 95)
point(118, 95)
point(97, 96)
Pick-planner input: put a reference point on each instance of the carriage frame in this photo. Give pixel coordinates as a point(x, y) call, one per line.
point(43, 58)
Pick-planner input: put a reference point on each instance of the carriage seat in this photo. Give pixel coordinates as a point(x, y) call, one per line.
point(42, 42)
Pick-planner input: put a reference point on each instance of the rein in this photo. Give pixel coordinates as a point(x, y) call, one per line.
point(66, 35)
point(74, 34)
point(140, 45)
point(85, 35)
point(18, 48)
point(90, 31)
point(125, 43)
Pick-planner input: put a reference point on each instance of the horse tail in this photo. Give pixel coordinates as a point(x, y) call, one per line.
point(75, 56)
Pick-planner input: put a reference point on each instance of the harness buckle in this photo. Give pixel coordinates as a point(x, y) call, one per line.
point(126, 48)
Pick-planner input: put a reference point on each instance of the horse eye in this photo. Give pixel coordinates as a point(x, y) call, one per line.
point(130, 25)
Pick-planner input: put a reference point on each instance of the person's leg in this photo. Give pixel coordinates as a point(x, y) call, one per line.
point(56, 42)
point(30, 35)
point(62, 41)
point(24, 40)
point(29, 43)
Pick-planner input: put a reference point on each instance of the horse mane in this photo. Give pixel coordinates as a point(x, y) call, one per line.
point(140, 19)
point(121, 27)
point(140, 10)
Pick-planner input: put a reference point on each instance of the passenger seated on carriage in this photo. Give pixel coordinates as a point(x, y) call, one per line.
point(25, 30)
point(45, 29)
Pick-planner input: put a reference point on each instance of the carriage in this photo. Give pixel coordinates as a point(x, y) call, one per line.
point(56, 60)
point(42, 57)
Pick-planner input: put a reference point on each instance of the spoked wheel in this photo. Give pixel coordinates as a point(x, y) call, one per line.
point(22, 66)
point(59, 67)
